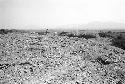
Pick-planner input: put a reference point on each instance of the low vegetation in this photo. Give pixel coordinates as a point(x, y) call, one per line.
point(117, 38)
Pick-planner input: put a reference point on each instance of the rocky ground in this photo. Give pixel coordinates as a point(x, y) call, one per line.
point(62, 57)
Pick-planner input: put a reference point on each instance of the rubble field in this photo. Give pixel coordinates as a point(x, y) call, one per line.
point(49, 57)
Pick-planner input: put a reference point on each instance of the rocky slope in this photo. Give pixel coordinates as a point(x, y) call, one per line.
point(59, 58)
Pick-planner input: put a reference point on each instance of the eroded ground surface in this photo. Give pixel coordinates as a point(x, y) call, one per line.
point(49, 58)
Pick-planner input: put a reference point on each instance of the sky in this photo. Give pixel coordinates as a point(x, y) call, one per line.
point(52, 13)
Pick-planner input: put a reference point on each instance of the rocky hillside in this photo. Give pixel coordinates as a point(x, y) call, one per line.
point(61, 57)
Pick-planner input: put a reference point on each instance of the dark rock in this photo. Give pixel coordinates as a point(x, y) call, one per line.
point(103, 61)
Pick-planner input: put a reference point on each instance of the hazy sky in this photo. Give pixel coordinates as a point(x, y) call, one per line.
point(59, 12)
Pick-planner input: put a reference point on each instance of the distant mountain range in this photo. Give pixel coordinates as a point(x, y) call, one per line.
point(94, 26)
point(88, 26)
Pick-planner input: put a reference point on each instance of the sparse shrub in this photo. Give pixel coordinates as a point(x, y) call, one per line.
point(69, 34)
point(119, 41)
point(6, 31)
point(41, 33)
point(105, 34)
point(63, 33)
point(117, 38)
point(86, 36)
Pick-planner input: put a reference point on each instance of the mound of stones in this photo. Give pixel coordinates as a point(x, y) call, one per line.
point(32, 58)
